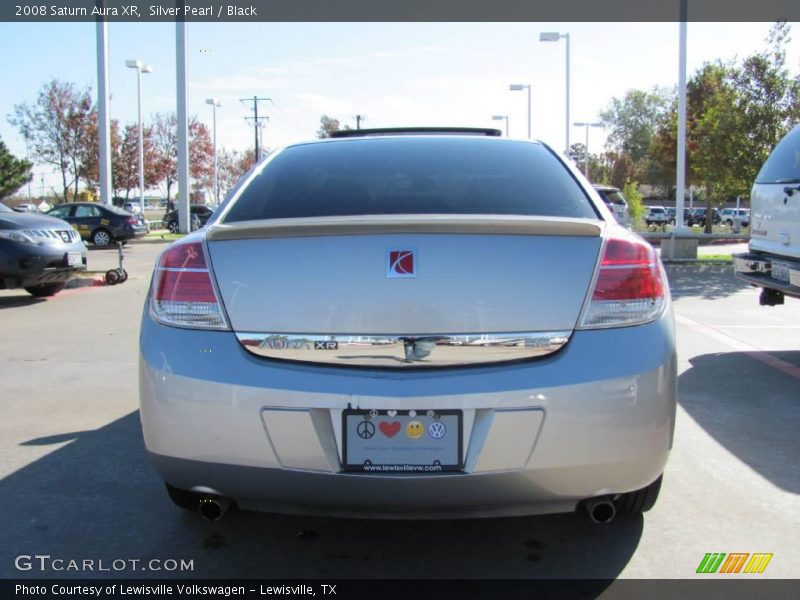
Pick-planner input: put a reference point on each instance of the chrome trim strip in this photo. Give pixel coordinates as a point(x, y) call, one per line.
point(389, 224)
point(66, 236)
point(403, 351)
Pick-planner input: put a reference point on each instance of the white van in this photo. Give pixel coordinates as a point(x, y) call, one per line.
point(773, 262)
point(616, 203)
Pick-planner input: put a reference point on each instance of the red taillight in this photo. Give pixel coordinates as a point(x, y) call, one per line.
point(130, 220)
point(630, 286)
point(183, 291)
point(184, 286)
point(626, 252)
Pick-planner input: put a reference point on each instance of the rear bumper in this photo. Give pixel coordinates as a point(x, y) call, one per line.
point(130, 233)
point(756, 269)
point(501, 494)
point(595, 418)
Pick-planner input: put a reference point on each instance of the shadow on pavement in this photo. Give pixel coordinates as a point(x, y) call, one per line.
point(98, 498)
point(706, 281)
point(23, 299)
point(753, 410)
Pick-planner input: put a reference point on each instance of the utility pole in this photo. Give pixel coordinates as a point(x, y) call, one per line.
point(359, 118)
point(256, 119)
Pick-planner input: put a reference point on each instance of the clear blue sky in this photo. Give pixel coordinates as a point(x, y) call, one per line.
point(394, 74)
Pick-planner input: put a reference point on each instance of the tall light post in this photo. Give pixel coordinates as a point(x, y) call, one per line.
point(215, 104)
point(500, 118)
point(586, 147)
point(518, 87)
point(554, 36)
point(140, 68)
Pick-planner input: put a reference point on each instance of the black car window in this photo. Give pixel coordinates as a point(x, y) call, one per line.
point(412, 175)
point(60, 211)
point(783, 165)
point(115, 210)
point(86, 211)
point(613, 197)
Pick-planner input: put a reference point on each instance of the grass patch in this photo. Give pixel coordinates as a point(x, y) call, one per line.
point(715, 258)
point(163, 234)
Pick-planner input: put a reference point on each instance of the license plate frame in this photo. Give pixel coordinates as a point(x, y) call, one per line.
point(399, 453)
point(779, 270)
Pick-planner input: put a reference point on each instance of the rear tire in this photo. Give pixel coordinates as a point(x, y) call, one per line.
point(43, 291)
point(101, 237)
point(173, 227)
point(639, 501)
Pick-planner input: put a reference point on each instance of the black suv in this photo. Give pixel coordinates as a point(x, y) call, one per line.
point(37, 252)
point(200, 211)
point(697, 216)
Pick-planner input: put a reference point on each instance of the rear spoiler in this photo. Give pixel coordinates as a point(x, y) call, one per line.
point(389, 224)
point(416, 131)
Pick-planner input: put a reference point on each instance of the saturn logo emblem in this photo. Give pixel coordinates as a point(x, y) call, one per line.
point(401, 263)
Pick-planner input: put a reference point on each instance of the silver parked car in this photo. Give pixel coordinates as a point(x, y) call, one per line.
point(410, 324)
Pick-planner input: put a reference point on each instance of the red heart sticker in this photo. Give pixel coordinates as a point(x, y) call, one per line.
point(389, 429)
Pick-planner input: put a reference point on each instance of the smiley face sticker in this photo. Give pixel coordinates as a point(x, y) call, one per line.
point(415, 429)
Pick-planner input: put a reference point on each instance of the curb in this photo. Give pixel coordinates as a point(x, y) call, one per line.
point(698, 266)
point(150, 241)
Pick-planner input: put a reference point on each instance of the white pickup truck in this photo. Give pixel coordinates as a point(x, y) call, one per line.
point(773, 260)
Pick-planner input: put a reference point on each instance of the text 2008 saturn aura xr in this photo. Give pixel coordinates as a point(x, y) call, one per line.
point(410, 323)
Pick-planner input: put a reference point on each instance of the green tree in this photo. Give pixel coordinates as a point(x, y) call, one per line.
point(577, 152)
point(735, 115)
point(634, 119)
point(621, 169)
point(767, 103)
point(14, 172)
point(327, 125)
point(635, 206)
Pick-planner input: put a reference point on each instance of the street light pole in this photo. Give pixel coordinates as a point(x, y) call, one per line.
point(586, 146)
point(214, 104)
point(554, 36)
point(680, 170)
point(500, 118)
point(517, 87)
point(140, 68)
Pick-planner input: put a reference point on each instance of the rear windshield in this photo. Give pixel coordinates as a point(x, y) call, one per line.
point(783, 165)
point(117, 210)
point(613, 197)
point(412, 175)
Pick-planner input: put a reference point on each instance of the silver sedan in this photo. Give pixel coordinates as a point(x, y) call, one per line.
point(410, 324)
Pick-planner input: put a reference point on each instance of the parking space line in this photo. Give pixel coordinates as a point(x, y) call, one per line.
point(751, 351)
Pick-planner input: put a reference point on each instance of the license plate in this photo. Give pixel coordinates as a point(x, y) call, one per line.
point(780, 271)
point(402, 441)
point(74, 259)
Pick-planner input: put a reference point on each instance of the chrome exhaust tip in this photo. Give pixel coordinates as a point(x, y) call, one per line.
point(601, 509)
point(213, 508)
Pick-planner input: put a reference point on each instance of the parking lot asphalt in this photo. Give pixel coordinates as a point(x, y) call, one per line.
point(75, 482)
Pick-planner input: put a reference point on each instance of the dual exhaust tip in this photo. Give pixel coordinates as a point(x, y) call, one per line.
point(213, 508)
point(600, 509)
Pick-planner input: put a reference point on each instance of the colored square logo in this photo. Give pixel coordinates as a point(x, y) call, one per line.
point(401, 263)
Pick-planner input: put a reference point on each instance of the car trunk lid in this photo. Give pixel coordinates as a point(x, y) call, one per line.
point(472, 280)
